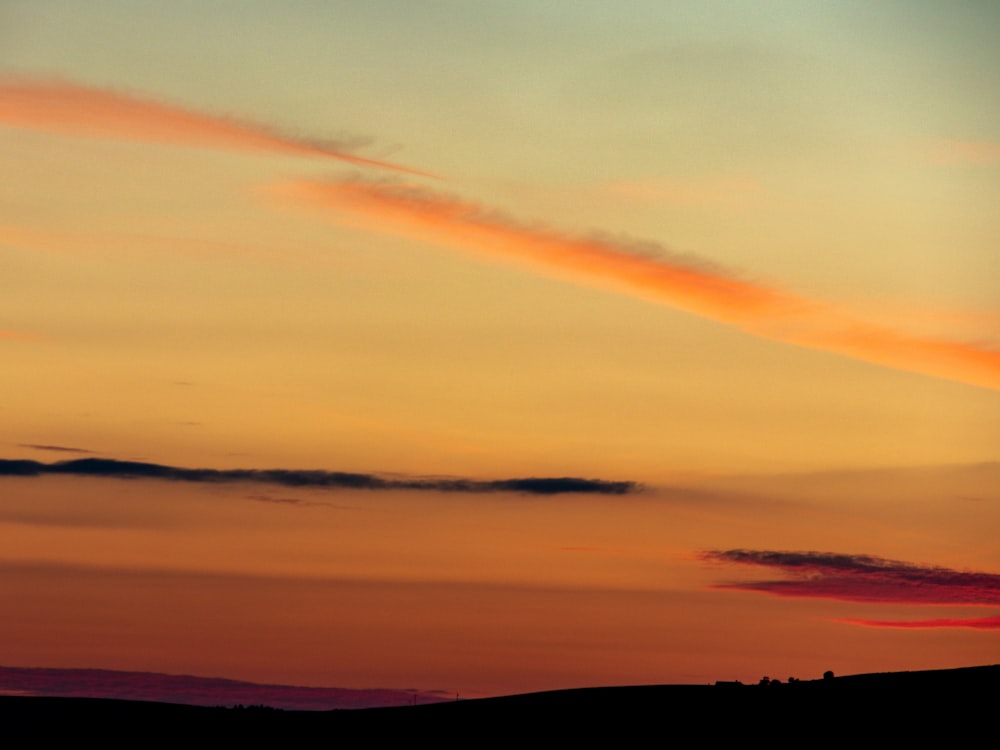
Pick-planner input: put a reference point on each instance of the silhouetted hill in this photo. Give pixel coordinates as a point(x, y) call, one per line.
point(196, 691)
point(863, 709)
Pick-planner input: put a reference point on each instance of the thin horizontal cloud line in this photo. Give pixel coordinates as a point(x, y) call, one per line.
point(295, 502)
point(720, 192)
point(106, 467)
point(70, 109)
point(860, 578)
point(54, 448)
point(981, 623)
point(648, 271)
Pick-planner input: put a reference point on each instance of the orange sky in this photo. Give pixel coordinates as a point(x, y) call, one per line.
point(499, 348)
point(476, 594)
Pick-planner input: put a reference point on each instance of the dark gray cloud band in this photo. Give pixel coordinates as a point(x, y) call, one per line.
point(106, 467)
point(861, 578)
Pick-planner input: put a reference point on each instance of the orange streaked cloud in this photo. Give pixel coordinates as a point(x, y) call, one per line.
point(17, 335)
point(70, 109)
point(980, 623)
point(648, 271)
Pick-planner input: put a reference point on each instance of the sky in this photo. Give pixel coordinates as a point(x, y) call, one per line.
point(489, 347)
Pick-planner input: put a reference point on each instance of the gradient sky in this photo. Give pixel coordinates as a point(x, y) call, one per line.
point(742, 256)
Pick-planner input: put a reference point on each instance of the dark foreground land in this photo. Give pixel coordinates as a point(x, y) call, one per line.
point(955, 704)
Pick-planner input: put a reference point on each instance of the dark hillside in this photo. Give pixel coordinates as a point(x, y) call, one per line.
point(859, 708)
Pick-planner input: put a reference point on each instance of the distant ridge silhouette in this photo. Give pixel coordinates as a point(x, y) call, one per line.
point(195, 691)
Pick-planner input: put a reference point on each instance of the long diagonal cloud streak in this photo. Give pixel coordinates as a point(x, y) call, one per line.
point(861, 578)
point(70, 109)
point(700, 289)
point(106, 467)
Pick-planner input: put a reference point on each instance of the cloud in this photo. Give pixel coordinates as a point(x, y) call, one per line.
point(956, 151)
point(56, 448)
point(649, 271)
point(861, 578)
point(69, 109)
point(718, 192)
point(17, 335)
point(298, 502)
point(106, 467)
point(982, 623)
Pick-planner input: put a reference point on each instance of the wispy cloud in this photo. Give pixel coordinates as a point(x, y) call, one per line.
point(17, 335)
point(106, 467)
point(649, 271)
point(55, 448)
point(66, 108)
point(957, 151)
point(981, 623)
point(718, 192)
point(861, 578)
point(298, 502)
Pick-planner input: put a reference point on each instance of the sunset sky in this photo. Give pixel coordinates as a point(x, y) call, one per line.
point(518, 345)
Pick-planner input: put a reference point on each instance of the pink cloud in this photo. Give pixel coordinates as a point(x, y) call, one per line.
point(861, 578)
point(982, 623)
